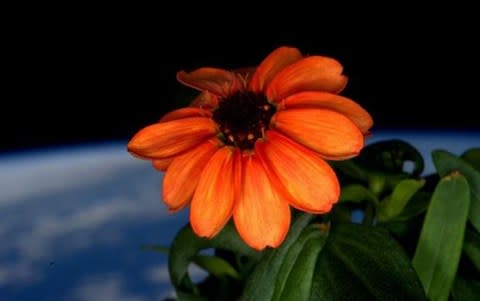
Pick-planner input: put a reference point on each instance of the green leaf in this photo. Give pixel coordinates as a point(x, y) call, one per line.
point(390, 157)
point(440, 244)
point(393, 205)
point(417, 205)
point(356, 262)
point(350, 168)
point(409, 220)
point(446, 163)
point(271, 272)
point(186, 245)
point(466, 290)
point(298, 283)
point(364, 263)
point(357, 193)
point(341, 213)
point(472, 157)
point(189, 297)
point(216, 266)
point(471, 246)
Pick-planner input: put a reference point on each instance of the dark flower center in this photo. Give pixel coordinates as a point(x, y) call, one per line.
point(243, 117)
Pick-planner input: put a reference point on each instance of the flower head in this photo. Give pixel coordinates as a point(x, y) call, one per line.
point(254, 142)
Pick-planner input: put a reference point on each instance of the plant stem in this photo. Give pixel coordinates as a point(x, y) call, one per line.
point(369, 214)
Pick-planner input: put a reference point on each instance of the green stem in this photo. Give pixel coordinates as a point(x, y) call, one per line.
point(369, 214)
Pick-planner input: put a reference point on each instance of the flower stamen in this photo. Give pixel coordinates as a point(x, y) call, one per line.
point(243, 118)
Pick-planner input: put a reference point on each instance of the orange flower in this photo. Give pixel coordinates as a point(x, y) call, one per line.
point(254, 142)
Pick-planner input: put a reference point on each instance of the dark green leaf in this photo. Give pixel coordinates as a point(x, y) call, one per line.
point(364, 263)
point(471, 246)
point(186, 245)
point(341, 213)
point(417, 205)
point(446, 163)
point(466, 290)
point(393, 205)
point(357, 193)
point(350, 168)
point(189, 297)
point(390, 157)
point(472, 157)
point(263, 281)
point(216, 266)
point(409, 222)
point(440, 244)
point(298, 283)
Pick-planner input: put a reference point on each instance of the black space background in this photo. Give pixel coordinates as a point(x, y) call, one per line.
point(86, 75)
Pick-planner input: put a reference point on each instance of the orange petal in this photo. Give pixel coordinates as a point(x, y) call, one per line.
point(216, 81)
point(262, 214)
point(329, 133)
point(271, 65)
point(309, 180)
point(166, 139)
point(333, 102)
point(213, 199)
point(315, 73)
point(205, 100)
point(162, 164)
point(183, 174)
point(185, 113)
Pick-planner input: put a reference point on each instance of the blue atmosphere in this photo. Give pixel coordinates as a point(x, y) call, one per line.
point(72, 220)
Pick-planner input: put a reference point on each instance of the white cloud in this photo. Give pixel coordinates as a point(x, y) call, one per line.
point(67, 202)
point(160, 275)
point(30, 176)
point(105, 288)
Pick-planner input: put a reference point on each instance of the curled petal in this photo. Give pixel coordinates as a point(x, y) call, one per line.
point(185, 113)
point(183, 174)
point(314, 73)
point(167, 139)
point(213, 199)
point(271, 65)
point(261, 214)
point(329, 133)
point(162, 164)
point(217, 81)
point(309, 180)
point(334, 102)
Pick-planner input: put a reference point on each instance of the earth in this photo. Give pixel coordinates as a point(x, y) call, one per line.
point(73, 220)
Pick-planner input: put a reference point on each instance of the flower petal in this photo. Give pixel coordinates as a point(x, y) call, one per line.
point(185, 113)
point(262, 214)
point(205, 100)
point(309, 180)
point(334, 102)
point(216, 81)
point(271, 65)
point(315, 73)
point(329, 133)
point(166, 139)
point(162, 164)
point(213, 199)
point(183, 174)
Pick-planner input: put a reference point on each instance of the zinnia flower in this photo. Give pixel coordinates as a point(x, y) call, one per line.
point(254, 142)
